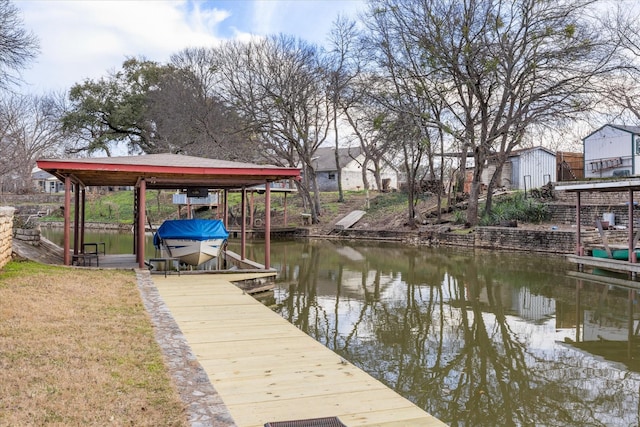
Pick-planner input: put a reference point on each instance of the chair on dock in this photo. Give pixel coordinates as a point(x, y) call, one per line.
point(311, 422)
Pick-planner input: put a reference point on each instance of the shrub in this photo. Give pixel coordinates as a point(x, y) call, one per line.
point(516, 207)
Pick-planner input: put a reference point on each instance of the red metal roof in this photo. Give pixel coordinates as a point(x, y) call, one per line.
point(165, 171)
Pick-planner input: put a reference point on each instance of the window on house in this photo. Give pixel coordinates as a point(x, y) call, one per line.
point(331, 175)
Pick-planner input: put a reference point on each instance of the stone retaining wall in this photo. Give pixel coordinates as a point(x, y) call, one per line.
point(32, 199)
point(29, 235)
point(504, 238)
point(6, 232)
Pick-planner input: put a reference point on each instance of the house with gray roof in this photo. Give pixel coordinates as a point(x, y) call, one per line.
point(350, 160)
point(44, 182)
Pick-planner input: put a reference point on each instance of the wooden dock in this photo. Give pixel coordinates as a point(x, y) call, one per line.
point(605, 263)
point(267, 370)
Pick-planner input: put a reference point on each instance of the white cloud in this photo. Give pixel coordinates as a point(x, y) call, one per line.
point(85, 39)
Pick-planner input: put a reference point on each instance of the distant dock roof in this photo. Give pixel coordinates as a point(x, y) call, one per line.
point(609, 185)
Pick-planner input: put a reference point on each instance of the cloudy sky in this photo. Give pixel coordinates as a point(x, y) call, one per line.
point(82, 39)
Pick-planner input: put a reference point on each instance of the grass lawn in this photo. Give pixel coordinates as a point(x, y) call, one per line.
point(77, 348)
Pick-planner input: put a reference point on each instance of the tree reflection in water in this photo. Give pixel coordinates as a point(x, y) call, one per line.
point(474, 338)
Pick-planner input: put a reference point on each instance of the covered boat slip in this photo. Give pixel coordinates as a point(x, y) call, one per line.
point(159, 171)
point(267, 370)
point(191, 241)
point(581, 257)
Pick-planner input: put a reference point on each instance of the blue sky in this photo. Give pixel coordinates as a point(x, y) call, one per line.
point(86, 39)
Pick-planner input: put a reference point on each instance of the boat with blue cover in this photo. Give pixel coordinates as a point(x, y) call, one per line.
point(192, 241)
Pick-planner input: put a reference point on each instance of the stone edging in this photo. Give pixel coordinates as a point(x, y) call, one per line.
point(204, 406)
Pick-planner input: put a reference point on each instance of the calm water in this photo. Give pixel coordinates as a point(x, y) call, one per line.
point(474, 338)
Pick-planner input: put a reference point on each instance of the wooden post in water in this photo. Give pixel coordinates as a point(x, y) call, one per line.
point(243, 226)
point(632, 242)
point(579, 250)
point(267, 226)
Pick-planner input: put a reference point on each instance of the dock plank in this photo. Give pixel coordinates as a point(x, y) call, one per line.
point(349, 219)
point(266, 369)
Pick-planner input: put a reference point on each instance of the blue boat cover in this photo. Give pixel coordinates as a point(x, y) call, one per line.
point(190, 229)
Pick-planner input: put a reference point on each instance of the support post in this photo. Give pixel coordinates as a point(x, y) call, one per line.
point(267, 226)
point(579, 250)
point(67, 220)
point(251, 209)
point(142, 191)
point(632, 250)
point(285, 209)
point(76, 219)
point(243, 222)
point(83, 203)
point(225, 215)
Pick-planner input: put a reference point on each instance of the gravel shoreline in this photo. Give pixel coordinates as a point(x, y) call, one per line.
point(203, 405)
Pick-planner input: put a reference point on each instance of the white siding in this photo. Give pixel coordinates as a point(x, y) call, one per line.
point(536, 168)
point(352, 177)
point(608, 143)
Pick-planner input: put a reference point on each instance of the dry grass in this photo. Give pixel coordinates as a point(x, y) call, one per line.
point(77, 348)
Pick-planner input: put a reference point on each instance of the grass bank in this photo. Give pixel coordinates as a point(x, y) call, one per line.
point(77, 348)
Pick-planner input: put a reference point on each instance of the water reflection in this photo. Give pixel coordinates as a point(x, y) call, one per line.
point(474, 338)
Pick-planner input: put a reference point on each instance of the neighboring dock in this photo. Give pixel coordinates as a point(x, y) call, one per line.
point(267, 370)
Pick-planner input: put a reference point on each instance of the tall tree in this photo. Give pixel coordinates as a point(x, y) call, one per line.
point(190, 116)
point(344, 60)
point(497, 67)
point(17, 46)
point(113, 110)
point(277, 85)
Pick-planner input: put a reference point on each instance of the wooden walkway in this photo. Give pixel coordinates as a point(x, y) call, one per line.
point(267, 370)
point(349, 219)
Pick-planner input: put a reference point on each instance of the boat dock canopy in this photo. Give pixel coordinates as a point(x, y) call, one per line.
point(196, 175)
point(165, 171)
point(600, 185)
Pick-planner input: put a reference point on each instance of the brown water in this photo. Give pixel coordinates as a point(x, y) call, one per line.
point(474, 338)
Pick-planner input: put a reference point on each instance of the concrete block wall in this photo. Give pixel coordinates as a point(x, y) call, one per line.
point(566, 214)
point(520, 239)
point(596, 198)
point(6, 234)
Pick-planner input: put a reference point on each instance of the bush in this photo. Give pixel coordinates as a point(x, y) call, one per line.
point(516, 207)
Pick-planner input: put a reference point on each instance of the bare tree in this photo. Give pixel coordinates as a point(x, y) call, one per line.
point(621, 93)
point(190, 117)
point(29, 129)
point(17, 46)
point(344, 60)
point(278, 85)
point(353, 106)
point(497, 67)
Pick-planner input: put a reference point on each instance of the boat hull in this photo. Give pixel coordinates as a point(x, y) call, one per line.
point(194, 252)
point(619, 254)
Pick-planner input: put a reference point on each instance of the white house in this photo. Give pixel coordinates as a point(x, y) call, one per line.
point(525, 169)
point(612, 150)
point(350, 159)
point(44, 182)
